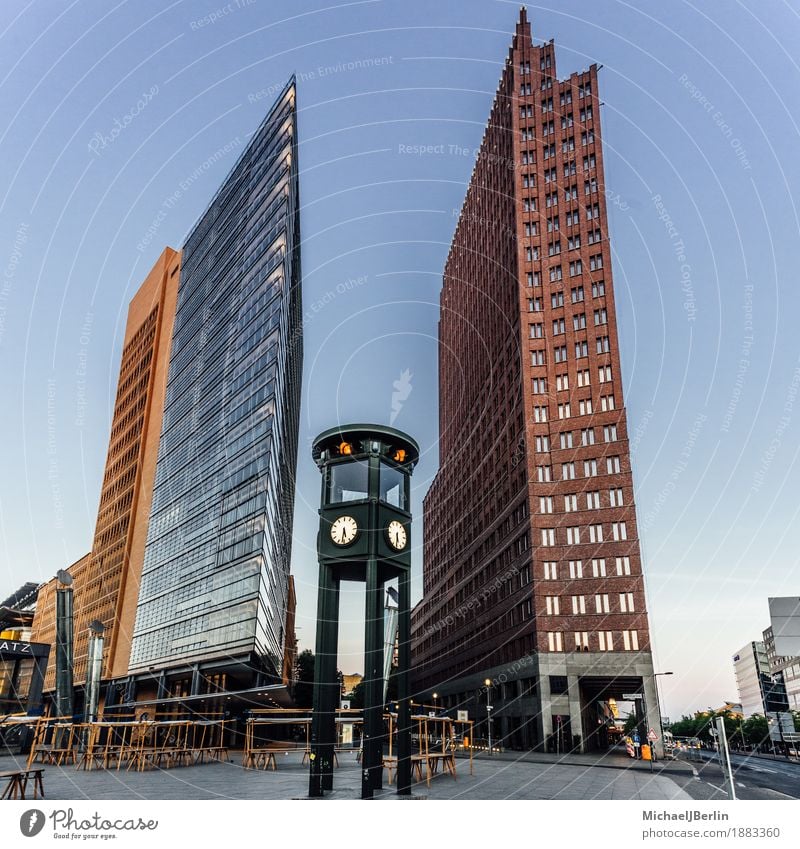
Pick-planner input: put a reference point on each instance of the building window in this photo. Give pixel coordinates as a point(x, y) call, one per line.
point(605, 641)
point(555, 273)
point(537, 357)
point(562, 382)
point(599, 568)
point(585, 407)
point(595, 533)
point(534, 304)
point(525, 576)
point(598, 289)
point(560, 354)
point(552, 225)
point(615, 497)
point(579, 321)
point(601, 604)
point(563, 411)
point(593, 237)
point(583, 378)
point(623, 566)
point(578, 604)
point(606, 403)
point(573, 535)
point(539, 385)
point(565, 439)
point(581, 350)
point(575, 569)
point(589, 468)
point(570, 503)
point(610, 433)
point(593, 500)
point(581, 641)
point(557, 300)
point(537, 331)
point(577, 294)
point(568, 471)
point(573, 243)
point(550, 570)
point(600, 317)
point(619, 530)
point(548, 537)
point(545, 504)
point(540, 414)
point(554, 248)
point(604, 373)
point(543, 474)
point(551, 605)
point(630, 640)
point(626, 603)
point(554, 641)
point(542, 443)
point(612, 465)
point(587, 436)
point(603, 346)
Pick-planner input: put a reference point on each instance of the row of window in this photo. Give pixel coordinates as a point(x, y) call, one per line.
point(605, 641)
point(619, 533)
point(602, 604)
point(544, 473)
point(539, 384)
point(587, 436)
point(550, 568)
point(593, 501)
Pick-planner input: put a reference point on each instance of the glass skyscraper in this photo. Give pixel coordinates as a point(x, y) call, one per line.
point(214, 584)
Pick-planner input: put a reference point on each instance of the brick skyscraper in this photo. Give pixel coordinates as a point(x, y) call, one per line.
point(532, 572)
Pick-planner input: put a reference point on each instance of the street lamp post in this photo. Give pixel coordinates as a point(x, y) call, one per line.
point(435, 706)
point(656, 676)
point(488, 685)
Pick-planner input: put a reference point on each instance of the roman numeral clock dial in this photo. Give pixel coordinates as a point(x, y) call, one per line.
point(344, 530)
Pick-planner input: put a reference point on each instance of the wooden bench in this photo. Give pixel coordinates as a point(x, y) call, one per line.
point(18, 783)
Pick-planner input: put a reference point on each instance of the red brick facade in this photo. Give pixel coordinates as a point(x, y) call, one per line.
point(531, 541)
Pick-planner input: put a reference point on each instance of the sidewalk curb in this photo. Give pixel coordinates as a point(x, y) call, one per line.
point(674, 768)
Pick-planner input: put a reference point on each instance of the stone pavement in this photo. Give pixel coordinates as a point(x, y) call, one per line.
point(505, 776)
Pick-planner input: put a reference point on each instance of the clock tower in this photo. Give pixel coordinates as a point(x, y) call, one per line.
point(364, 535)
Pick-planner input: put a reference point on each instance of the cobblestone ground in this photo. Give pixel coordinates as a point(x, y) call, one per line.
point(492, 779)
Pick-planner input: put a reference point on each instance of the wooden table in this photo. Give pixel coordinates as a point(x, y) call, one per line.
point(18, 783)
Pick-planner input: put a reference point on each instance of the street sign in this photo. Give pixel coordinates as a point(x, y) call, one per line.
point(636, 738)
point(626, 697)
point(651, 735)
point(463, 715)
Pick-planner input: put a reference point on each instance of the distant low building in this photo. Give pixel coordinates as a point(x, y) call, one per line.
point(758, 692)
point(785, 670)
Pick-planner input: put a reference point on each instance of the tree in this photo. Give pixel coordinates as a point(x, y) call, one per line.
point(630, 723)
point(304, 680)
point(756, 729)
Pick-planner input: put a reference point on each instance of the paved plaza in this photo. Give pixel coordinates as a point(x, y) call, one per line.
point(509, 776)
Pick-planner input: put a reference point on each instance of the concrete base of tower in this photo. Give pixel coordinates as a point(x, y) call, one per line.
point(554, 702)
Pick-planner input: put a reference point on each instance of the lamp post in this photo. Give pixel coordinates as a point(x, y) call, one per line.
point(435, 706)
point(488, 685)
point(656, 676)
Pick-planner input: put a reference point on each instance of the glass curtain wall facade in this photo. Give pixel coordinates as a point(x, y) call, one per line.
point(215, 578)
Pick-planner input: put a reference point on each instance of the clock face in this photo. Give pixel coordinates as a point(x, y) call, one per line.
point(397, 535)
point(344, 530)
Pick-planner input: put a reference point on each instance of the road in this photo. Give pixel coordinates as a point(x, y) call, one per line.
point(755, 778)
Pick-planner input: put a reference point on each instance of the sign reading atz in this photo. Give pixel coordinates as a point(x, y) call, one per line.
point(15, 648)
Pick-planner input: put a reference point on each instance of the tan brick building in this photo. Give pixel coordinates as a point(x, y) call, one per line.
point(106, 581)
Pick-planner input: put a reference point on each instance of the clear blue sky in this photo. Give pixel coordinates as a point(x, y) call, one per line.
point(701, 106)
